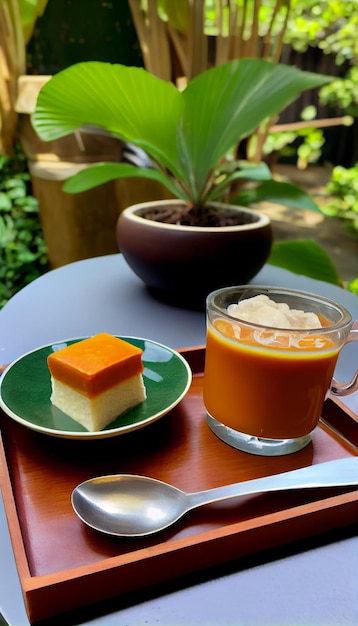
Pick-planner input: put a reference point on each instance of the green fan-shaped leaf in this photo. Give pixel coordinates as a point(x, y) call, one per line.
point(228, 102)
point(253, 171)
point(101, 173)
point(127, 101)
point(306, 257)
point(279, 193)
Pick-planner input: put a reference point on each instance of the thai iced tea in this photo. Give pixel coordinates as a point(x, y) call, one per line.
point(267, 391)
point(270, 359)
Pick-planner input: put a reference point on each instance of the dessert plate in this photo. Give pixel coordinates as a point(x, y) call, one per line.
point(25, 390)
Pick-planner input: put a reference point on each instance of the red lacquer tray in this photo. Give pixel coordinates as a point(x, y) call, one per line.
point(63, 565)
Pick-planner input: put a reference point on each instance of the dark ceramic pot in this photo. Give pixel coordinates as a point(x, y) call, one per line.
point(182, 264)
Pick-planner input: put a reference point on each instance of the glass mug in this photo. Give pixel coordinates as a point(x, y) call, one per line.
point(264, 387)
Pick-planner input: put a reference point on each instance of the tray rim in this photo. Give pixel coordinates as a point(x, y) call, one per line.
point(42, 592)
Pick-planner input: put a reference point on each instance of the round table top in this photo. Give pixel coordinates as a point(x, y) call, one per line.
point(313, 583)
point(103, 294)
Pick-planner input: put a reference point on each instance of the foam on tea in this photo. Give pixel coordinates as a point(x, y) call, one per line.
point(264, 311)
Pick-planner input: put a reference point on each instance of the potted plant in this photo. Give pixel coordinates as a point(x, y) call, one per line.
point(191, 138)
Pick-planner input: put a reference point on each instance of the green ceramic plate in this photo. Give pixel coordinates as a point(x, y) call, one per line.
point(25, 390)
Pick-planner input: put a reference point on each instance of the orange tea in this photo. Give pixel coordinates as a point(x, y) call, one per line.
point(267, 392)
point(270, 360)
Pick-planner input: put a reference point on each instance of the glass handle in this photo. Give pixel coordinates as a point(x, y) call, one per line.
point(343, 389)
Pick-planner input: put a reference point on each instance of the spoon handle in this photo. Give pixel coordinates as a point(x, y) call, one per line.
point(338, 473)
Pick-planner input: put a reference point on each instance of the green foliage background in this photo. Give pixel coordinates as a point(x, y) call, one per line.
point(23, 250)
point(329, 25)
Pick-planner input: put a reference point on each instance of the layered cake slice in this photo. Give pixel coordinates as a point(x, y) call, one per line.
point(97, 379)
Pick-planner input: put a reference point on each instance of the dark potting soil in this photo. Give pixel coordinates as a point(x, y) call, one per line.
point(197, 216)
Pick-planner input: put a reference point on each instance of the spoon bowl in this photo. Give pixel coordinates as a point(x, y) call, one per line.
point(127, 505)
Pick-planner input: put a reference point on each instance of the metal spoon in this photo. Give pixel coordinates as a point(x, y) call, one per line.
point(127, 505)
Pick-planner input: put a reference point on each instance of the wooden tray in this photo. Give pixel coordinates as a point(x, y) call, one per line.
point(63, 565)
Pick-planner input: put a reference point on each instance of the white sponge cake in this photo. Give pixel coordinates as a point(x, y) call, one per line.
point(97, 379)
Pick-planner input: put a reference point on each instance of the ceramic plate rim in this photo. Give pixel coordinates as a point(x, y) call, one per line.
point(104, 434)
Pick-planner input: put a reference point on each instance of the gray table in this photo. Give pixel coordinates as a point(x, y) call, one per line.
point(313, 583)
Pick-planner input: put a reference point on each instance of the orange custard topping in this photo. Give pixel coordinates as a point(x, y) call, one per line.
point(95, 365)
